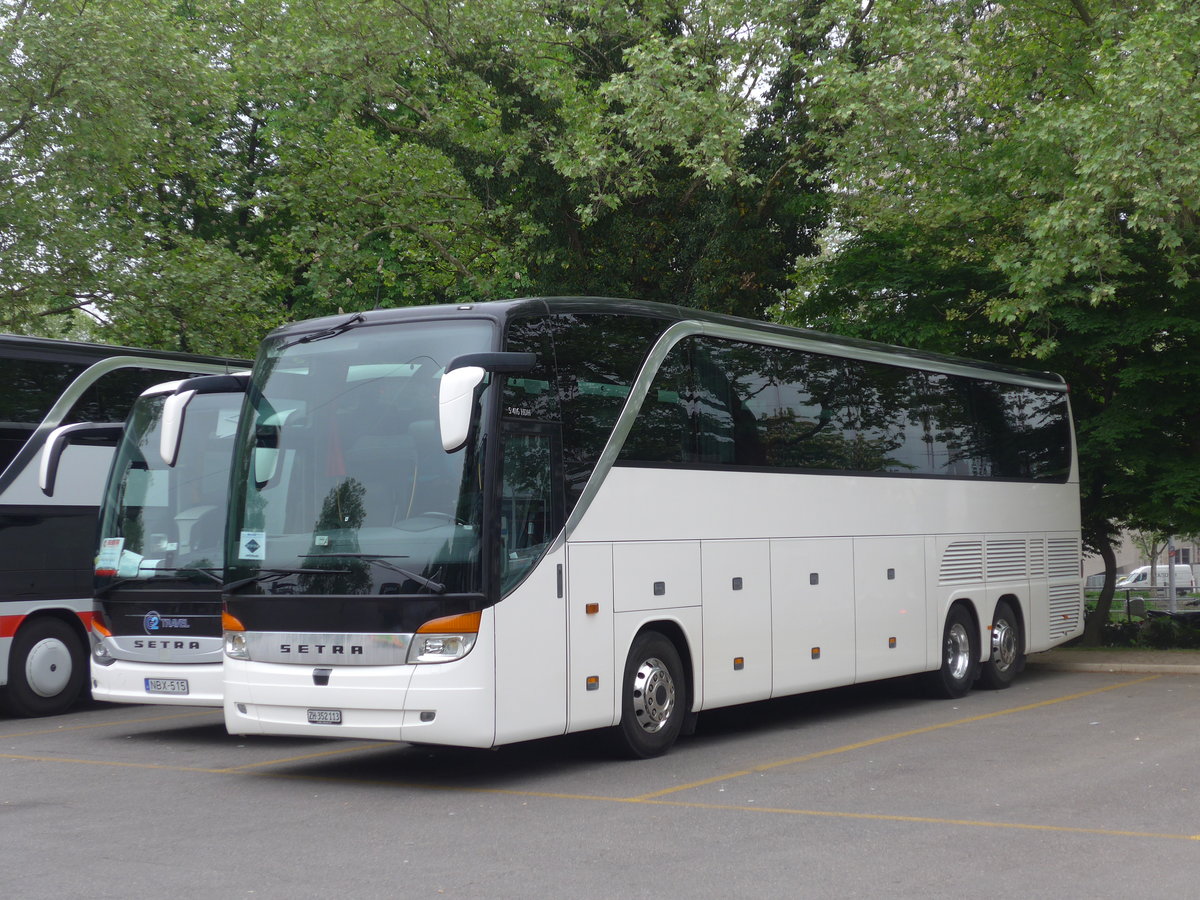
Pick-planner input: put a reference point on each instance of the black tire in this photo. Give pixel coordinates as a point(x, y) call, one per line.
point(47, 666)
point(960, 656)
point(1008, 650)
point(654, 698)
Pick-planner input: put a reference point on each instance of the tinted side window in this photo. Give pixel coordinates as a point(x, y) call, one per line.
point(987, 430)
point(729, 403)
point(664, 431)
point(1037, 438)
point(109, 397)
point(598, 358)
point(758, 406)
point(888, 415)
point(31, 387)
point(532, 395)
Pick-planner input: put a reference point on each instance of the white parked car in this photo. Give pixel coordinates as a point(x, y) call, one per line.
point(1139, 579)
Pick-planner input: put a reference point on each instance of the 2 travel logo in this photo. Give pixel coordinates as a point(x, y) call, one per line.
point(153, 623)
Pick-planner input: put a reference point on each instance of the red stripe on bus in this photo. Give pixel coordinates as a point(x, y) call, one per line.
point(10, 624)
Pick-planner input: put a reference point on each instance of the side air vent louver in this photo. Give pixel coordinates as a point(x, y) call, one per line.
point(1066, 608)
point(1006, 560)
point(1037, 558)
point(1063, 558)
point(962, 563)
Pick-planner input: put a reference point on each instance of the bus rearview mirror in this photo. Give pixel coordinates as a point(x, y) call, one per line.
point(174, 412)
point(61, 437)
point(456, 403)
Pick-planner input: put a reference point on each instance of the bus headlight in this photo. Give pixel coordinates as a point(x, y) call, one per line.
point(235, 645)
point(444, 640)
point(100, 652)
point(235, 637)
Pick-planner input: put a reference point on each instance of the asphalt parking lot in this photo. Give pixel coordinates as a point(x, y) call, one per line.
point(1069, 784)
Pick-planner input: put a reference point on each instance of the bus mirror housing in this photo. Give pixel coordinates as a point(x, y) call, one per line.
point(456, 401)
point(460, 386)
point(174, 411)
point(60, 438)
point(175, 407)
point(266, 453)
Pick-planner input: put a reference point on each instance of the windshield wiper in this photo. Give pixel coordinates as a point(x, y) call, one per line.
point(153, 573)
point(212, 572)
point(332, 331)
point(436, 586)
point(265, 574)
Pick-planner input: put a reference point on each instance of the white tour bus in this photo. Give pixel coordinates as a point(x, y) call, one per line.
point(50, 389)
point(509, 520)
point(156, 626)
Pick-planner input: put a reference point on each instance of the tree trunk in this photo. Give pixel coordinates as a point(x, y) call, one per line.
point(1093, 628)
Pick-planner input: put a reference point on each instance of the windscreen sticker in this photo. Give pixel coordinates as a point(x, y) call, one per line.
point(109, 556)
point(253, 545)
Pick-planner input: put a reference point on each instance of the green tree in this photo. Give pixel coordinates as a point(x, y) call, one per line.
point(210, 168)
point(1017, 183)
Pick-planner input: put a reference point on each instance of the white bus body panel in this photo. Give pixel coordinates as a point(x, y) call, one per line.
point(737, 657)
point(591, 641)
point(812, 614)
point(868, 602)
point(377, 702)
point(125, 682)
point(889, 607)
point(531, 668)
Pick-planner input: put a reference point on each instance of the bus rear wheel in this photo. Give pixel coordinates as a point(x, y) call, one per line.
point(1008, 650)
point(47, 665)
point(960, 656)
point(654, 698)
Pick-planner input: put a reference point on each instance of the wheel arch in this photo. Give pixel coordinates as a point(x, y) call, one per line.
point(69, 617)
point(675, 633)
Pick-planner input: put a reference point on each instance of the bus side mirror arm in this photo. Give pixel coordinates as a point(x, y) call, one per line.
point(63, 436)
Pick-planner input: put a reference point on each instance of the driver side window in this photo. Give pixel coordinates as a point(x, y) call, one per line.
point(529, 514)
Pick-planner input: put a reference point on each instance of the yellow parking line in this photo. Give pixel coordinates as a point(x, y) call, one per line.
point(107, 762)
point(117, 724)
point(927, 820)
point(319, 755)
point(765, 767)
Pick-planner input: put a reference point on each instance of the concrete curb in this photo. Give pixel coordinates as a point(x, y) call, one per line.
point(1118, 663)
point(1122, 668)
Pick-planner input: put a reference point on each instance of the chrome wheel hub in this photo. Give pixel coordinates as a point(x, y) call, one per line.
point(1004, 645)
point(957, 652)
point(653, 695)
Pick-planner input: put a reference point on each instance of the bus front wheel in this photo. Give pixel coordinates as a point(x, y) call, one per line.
point(654, 698)
point(960, 656)
point(47, 665)
point(1008, 650)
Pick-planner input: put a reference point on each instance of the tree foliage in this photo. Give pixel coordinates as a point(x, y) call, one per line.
point(1014, 182)
point(209, 168)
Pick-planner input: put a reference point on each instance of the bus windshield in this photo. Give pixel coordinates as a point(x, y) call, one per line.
point(351, 493)
point(159, 522)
